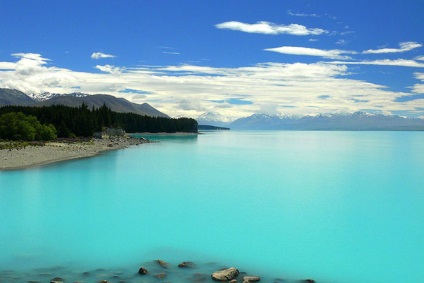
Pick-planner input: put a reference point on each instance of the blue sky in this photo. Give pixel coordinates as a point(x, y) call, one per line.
point(233, 58)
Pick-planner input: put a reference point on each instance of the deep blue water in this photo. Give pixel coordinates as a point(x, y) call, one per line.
point(333, 206)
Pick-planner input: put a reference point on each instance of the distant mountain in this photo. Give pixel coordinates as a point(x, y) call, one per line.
point(15, 97)
point(263, 122)
point(358, 121)
point(215, 119)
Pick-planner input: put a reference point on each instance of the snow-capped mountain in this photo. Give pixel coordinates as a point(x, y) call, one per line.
point(47, 95)
point(358, 121)
point(215, 119)
point(262, 122)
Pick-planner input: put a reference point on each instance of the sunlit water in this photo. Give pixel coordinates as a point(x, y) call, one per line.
point(333, 206)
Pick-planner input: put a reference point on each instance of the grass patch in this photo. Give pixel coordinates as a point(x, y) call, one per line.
point(18, 144)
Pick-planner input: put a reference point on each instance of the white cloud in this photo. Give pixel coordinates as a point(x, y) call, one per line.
point(29, 63)
point(419, 76)
point(420, 58)
point(109, 69)
point(294, 50)
point(100, 55)
point(7, 66)
point(385, 62)
point(270, 28)
point(404, 47)
point(29, 74)
point(419, 88)
point(190, 90)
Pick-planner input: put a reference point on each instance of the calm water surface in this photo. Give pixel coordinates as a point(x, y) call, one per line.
point(333, 206)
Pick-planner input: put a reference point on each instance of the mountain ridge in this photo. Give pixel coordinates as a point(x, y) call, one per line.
point(16, 97)
point(357, 121)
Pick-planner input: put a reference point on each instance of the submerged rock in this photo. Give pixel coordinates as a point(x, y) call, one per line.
point(225, 274)
point(251, 279)
point(186, 264)
point(56, 280)
point(162, 263)
point(142, 271)
point(308, 281)
point(160, 275)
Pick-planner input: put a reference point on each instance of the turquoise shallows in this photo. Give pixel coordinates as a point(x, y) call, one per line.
point(334, 206)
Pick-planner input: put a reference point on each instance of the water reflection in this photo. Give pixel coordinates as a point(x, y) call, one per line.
point(174, 138)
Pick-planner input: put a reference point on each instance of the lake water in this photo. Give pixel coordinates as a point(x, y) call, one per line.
point(332, 206)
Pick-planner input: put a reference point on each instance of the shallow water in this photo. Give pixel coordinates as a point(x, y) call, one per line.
point(333, 206)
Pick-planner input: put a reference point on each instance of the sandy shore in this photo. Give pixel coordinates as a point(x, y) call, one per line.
point(51, 152)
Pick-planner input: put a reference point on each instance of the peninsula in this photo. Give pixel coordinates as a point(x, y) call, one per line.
point(38, 135)
point(17, 157)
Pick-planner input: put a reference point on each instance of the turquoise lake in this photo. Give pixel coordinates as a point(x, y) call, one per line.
point(332, 206)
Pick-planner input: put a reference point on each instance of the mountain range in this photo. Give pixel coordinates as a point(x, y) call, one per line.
point(16, 97)
point(358, 121)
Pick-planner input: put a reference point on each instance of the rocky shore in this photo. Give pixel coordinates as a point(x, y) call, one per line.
point(151, 271)
point(50, 152)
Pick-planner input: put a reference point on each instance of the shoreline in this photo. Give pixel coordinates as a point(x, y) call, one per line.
point(148, 271)
point(166, 134)
point(59, 151)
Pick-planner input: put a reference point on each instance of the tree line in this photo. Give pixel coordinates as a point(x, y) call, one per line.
point(18, 126)
point(83, 121)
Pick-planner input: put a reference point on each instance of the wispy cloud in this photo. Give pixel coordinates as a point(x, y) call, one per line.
point(313, 15)
point(404, 47)
point(171, 53)
point(342, 42)
point(295, 50)
point(169, 50)
point(385, 62)
point(420, 58)
point(100, 55)
point(289, 12)
point(270, 28)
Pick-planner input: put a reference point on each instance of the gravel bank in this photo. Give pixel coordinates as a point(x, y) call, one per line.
point(31, 156)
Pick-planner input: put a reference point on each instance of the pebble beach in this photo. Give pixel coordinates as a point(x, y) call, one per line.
point(146, 272)
point(51, 152)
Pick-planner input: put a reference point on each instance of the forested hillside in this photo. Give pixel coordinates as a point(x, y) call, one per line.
point(83, 121)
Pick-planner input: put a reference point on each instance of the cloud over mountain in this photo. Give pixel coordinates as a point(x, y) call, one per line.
point(189, 90)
